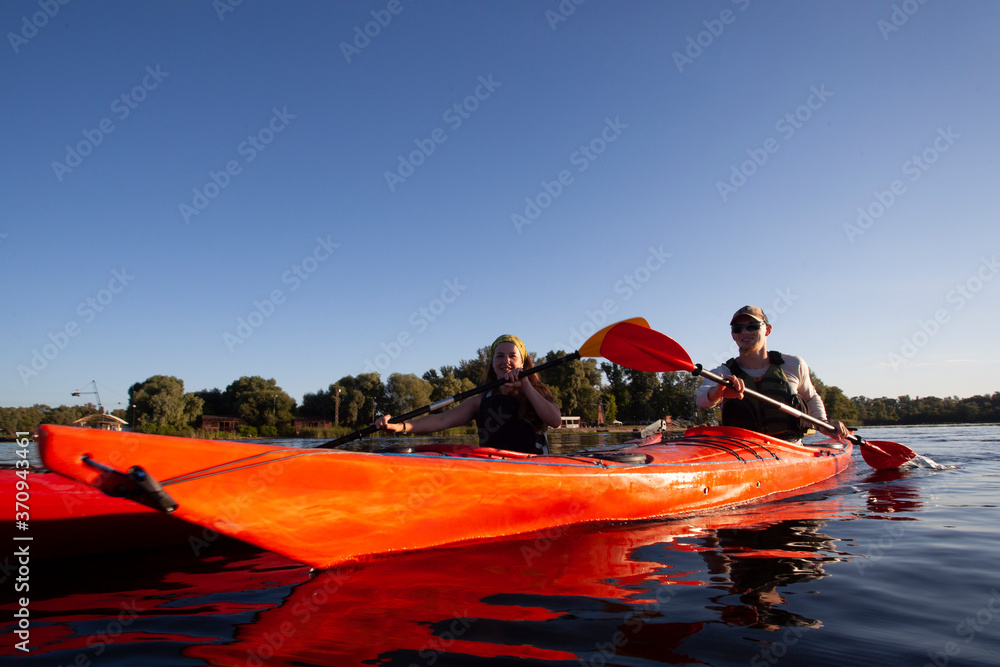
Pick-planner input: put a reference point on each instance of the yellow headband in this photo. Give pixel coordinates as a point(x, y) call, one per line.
point(508, 338)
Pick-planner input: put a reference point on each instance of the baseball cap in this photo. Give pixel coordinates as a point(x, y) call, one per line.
point(751, 311)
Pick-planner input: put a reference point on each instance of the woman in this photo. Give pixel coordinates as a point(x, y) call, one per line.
point(514, 416)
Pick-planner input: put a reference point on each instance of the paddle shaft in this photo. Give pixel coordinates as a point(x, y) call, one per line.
point(445, 402)
point(718, 379)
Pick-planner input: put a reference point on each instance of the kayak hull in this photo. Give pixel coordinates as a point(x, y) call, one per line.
point(326, 507)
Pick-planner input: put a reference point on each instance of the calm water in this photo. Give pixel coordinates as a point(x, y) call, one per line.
point(872, 568)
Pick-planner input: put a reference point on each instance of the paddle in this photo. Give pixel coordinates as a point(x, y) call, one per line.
point(645, 349)
point(593, 347)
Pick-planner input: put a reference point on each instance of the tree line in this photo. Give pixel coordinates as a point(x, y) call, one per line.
point(160, 403)
point(928, 410)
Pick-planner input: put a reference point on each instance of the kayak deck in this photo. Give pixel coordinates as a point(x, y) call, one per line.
point(325, 507)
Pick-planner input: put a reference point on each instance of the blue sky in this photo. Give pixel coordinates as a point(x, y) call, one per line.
point(310, 190)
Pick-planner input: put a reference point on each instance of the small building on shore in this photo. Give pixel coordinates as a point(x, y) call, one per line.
point(102, 421)
point(220, 423)
point(310, 422)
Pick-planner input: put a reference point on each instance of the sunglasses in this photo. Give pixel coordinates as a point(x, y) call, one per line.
point(750, 326)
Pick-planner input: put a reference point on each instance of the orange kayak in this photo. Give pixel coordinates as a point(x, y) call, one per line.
point(326, 507)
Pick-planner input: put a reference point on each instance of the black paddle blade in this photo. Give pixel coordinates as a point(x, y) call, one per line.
point(644, 349)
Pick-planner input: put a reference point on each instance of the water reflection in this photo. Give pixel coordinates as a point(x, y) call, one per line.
point(892, 493)
point(652, 592)
point(577, 594)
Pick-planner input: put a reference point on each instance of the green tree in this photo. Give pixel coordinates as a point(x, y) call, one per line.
point(678, 394)
point(319, 404)
point(876, 410)
point(837, 405)
point(161, 401)
point(617, 389)
point(447, 385)
point(641, 389)
point(404, 393)
point(351, 400)
point(65, 415)
point(474, 370)
point(575, 385)
point(25, 420)
point(215, 402)
point(361, 398)
point(8, 422)
point(260, 402)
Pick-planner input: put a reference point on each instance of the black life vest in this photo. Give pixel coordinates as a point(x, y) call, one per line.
point(500, 427)
point(753, 414)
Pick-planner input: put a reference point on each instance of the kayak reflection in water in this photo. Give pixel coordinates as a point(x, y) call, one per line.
point(513, 417)
point(761, 561)
point(782, 377)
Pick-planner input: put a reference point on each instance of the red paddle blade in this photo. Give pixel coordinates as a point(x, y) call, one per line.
point(643, 349)
point(885, 455)
point(592, 346)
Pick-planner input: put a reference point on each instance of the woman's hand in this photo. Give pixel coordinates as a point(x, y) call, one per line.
point(514, 380)
point(382, 424)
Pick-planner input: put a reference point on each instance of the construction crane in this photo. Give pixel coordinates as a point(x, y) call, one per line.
point(100, 408)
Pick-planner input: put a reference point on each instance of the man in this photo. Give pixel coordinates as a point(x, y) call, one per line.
point(782, 377)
